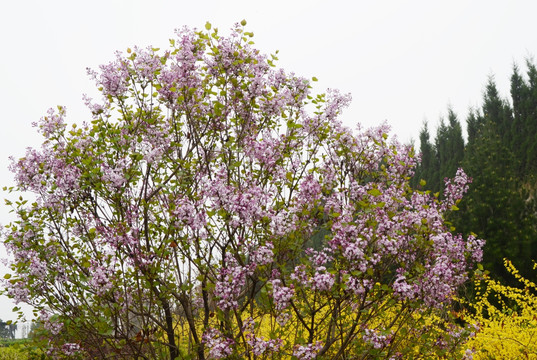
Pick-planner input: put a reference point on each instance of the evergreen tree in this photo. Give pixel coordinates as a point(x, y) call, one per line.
point(449, 148)
point(519, 95)
point(473, 125)
point(442, 159)
point(428, 168)
point(497, 111)
point(494, 208)
point(501, 157)
point(528, 111)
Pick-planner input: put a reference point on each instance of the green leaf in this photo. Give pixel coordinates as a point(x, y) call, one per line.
point(314, 79)
point(243, 22)
point(208, 25)
point(374, 192)
point(289, 176)
point(7, 276)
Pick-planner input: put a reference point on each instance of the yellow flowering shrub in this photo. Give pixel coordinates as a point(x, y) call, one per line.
point(410, 332)
point(12, 353)
point(501, 323)
point(506, 317)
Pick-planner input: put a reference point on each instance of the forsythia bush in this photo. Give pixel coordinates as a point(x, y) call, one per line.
point(10, 353)
point(399, 333)
point(506, 318)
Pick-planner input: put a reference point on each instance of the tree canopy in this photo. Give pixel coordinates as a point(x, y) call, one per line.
point(213, 207)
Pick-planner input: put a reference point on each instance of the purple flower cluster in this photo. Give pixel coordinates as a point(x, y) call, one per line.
point(70, 349)
point(375, 338)
point(189, 213)
point(322, 281)
point(218, 345)
point(264, 254)
point(52, 124)
point(281, 295)
point(113, 77)
point(231, 282)
point(49, 323)
point(308, 351)
point(259, 345)
point(102, 277)
point(455, 189)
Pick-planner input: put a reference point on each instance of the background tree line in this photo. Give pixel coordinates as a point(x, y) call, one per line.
point(500, 154)
point(7, 330)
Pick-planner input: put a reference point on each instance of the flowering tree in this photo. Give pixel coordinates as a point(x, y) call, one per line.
point(213, 206)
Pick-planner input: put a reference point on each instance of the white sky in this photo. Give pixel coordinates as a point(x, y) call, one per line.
point(402, 61)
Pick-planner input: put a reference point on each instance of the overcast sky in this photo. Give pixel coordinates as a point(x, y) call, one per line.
point(403, 62)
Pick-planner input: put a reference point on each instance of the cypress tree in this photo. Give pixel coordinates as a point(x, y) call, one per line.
point(449, 147)
point(494, 206)
point(501, 157)
point(428, 167)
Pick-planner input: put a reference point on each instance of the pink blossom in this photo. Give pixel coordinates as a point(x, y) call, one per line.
point(113, 78)
point(231, 281)
point(319, 258)
point(101, 277)
point(189, 213)
point(218, 345)
point(402, 288)
point(375, 338)
point(52, 124)
point(281, 295)
point(264, 254)
point(474, 246)
point(18, 291)
point(70, 349)
point(299, 275)
point(259, 345)
point(322, 281)
point(455, 188)
point(357, 286)
point(114, 175)
point(50, 323)
point(308, 351)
